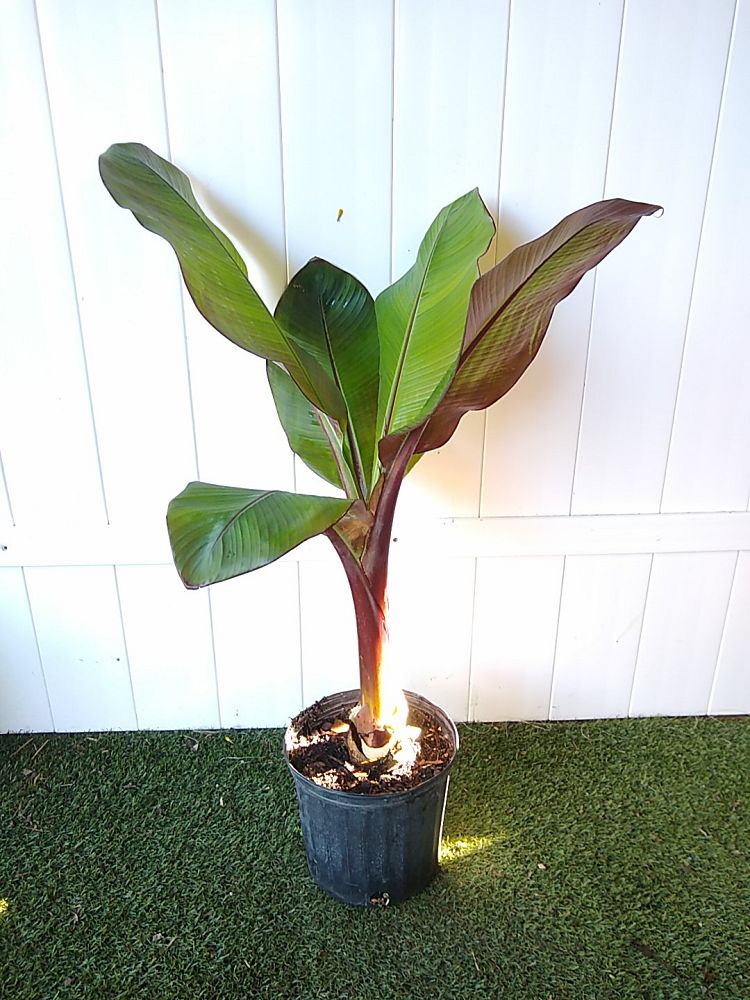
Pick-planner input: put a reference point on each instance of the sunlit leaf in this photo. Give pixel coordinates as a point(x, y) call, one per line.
point(511, 307)
point(421, 317)
point(218, 532)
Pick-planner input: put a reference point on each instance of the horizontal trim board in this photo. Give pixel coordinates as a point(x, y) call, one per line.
point(590, 534)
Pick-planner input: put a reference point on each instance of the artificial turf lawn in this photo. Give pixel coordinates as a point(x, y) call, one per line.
point(582, 860)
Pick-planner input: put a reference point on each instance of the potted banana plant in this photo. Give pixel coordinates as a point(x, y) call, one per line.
point(362, 388)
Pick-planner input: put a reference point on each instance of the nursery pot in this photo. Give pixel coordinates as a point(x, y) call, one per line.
point(372, 850)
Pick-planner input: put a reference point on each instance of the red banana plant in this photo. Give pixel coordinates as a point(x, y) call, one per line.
point(362, 386)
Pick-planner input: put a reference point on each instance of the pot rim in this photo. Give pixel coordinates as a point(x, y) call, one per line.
point(412, 698)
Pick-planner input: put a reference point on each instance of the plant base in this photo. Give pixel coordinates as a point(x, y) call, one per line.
point(373, 850)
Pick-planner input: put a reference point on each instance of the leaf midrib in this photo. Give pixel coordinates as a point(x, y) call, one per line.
point(324, 421)
point(350, 434)
point(484, 329)
point(243, 510)
point(388, 416)
point(202, 219)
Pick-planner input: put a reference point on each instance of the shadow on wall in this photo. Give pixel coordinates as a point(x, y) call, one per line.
point(264, 256)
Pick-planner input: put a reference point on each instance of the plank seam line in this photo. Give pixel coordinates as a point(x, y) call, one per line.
point(482, 462)
point(301, 647)
point(71, 266)
point(277, 39)
point(592, 309)
point(640, 638)
point(502, 124)
point(125, 647)
point(469, 680)
point(282, 172)
point(212, 634)
point(4, 479)
point(557, 637)
point(38, 649)
point(393, 141)
point(180, 289)
point(501, 146)
point(720, 650)
point(698, 252)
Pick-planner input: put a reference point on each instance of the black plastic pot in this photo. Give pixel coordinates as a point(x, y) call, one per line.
point(373, 849)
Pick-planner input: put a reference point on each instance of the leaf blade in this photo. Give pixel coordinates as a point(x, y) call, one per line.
point(311, 434)
point(161, 198)
point(511, 307)
point(421, 316)
point(331, 315)
point(219, 532)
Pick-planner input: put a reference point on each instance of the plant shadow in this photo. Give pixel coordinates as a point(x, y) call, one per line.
point(264, 254)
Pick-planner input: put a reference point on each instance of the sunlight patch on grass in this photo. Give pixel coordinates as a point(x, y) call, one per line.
point(4, 908)
point(457, 848)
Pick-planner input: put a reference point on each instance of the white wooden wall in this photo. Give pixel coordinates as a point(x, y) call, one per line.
point(581, 550)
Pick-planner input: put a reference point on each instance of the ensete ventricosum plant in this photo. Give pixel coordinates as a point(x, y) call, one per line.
point(362, 386)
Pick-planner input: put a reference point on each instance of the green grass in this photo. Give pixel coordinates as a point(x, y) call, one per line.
point(595, 860)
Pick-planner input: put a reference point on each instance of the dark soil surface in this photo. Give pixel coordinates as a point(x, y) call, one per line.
point(320, 751)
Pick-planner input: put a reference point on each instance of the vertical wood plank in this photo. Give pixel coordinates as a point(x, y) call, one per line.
point(221, 86)
point(330, 661)
point(682, 628)
point(23, 696)
point(731, 692)
point(427, 657)
point(561, 77)
point(222, 100)
point(430, 649)
point(515, 623)
point(257, 644)
point(45, 415)
point(168, 639)
point(335, 63)
point(127, 279)
point(446, 482)
point(436, 82)
point(601, 614)
point(337, 161)
point(709, 458)
point(307, 481)
point(449, 79)
point(6, 513)
point(665, 117)
point(77, 619)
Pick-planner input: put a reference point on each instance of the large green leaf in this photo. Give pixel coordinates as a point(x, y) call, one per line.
point(421, 317)
point(312, 435)
point(218, 532)
point(331, 315)
point(162, 200)
point(511, 308)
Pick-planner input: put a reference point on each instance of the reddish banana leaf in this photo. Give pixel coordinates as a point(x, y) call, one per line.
point(511, 307)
